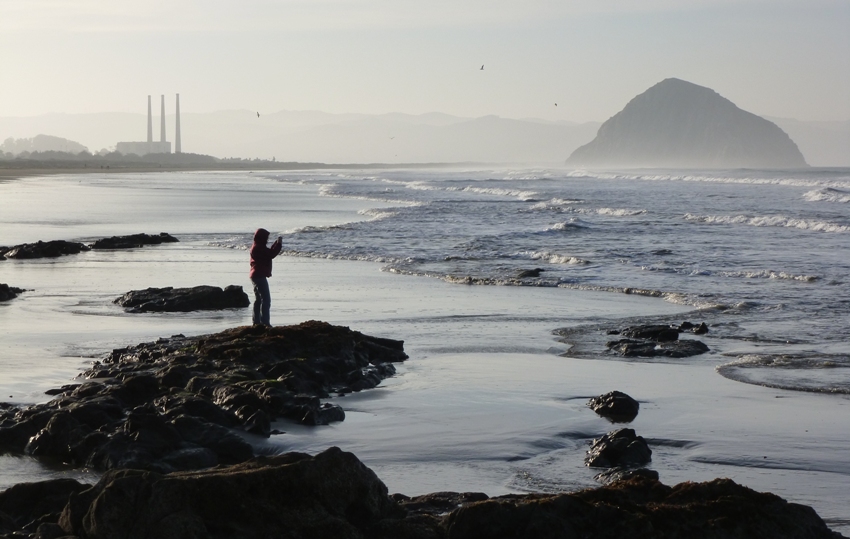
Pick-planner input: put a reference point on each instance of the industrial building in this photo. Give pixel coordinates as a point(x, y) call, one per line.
point(162, 146)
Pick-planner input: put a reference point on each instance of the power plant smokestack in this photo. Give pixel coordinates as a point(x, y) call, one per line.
point(150, 121)
point(162, 121)
point(177, 127)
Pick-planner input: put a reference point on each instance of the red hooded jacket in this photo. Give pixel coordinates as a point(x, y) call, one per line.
point(261, 256)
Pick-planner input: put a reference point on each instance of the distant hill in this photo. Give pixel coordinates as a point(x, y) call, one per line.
point(311, 136)
point(679, 124)
point(41, 143)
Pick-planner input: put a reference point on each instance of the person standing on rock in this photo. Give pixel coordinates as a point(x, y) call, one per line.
point(261, 270)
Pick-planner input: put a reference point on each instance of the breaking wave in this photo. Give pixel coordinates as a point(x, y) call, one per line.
point(771, 220)
point(827, 195)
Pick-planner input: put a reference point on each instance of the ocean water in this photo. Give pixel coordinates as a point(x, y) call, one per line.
point(501, 365)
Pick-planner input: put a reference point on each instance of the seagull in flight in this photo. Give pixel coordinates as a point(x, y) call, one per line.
point(258, 115)
point(482, 67)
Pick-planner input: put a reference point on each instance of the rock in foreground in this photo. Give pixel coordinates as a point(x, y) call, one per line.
point(132, 241)
point(175, 404)
point(198, 298)
point(621, 448)
point(615, 406)
point(333, 495)
point(8, 292)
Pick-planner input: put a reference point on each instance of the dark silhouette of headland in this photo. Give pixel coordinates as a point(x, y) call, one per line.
point(678, 124)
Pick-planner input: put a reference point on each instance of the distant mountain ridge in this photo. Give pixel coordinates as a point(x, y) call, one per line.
point(679, 124)
point(312, 136)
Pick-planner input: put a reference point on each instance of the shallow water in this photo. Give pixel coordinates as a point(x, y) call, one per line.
point(487, 401)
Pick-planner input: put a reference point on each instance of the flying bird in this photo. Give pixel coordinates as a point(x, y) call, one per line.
point(482, 67)
point(258, 115)
point(556, 104)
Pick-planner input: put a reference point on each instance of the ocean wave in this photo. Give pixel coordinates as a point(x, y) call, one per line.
point(619, 212)
point(498, 191)
point(827, 195)
point(553, 258)
point(572, 224)
point(556, 203)
point(790, 182)
point(768, 274)
point(811, 372)
point(769, 220)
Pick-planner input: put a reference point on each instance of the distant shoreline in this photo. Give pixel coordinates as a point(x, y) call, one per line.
point(13, 170)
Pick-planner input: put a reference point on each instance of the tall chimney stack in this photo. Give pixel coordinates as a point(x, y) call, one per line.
point(150, 121)
point(177, 126)
point(162, 121)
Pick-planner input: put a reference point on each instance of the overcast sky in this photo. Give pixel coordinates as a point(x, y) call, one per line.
point(772, 57)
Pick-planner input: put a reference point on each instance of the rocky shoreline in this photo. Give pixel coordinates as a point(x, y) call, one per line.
point(333, 494)
point(57, 248)
point(180, 403)
point(171, 424)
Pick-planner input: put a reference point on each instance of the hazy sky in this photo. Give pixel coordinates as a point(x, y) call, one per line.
point(771, 57)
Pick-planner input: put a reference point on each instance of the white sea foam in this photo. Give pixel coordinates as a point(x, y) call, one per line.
point(572, 224)
point(827, 195)
point(840, 183)
point(553, 258)
point(522, 195)
point(768, 274)
point(555, 203)
point(619, 212)
point(769, 220)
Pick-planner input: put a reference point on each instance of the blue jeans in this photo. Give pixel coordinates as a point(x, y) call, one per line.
point(262, 300)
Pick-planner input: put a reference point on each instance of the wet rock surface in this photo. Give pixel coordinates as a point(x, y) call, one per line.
point(658, 340)
point(615, 406)
point(43, 249)
point(186, 403)
point(57, 248)
point(133, 241)
point(197, 298)
point(9, 292)
point(333, 494)
point(619, 448)
point(646, 339)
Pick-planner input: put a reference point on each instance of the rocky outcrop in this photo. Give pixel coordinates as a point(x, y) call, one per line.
point(682, 125)
point(615, 406)
point(333, 494)
point(658, 340)
point(178, 403)
point(618, 448)
point(133, 241)
point(198, 298)
point(8, 292)
point(43, 249)
point(57, 248)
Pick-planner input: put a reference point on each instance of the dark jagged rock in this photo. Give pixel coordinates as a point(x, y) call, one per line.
point(615, 406)
point(9, 292)
point(658, 340)
point(657, 333)
point(522, 274)
point(621, 474)
point(174, 404)
point(333, 494)
point(198, 298)
point(679, 124)
point(683, 348)
point(44, 249)
point(618, 448)
point(25, 506)
point(133, 241)
point(56, 248)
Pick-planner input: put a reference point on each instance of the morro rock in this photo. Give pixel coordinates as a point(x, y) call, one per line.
point(678, 124)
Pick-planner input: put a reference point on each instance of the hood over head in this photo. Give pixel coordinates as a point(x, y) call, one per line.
point(261, 236)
